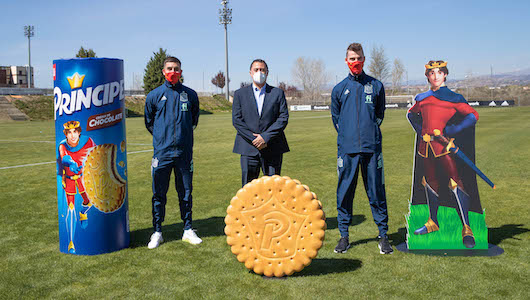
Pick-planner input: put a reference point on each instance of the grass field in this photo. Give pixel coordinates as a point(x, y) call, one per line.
point(40, 108)
point(31, 265)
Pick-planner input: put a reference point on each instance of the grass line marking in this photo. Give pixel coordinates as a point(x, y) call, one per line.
point(26, 141)
point(140, 151)
point(52, 162)
point(28, 165)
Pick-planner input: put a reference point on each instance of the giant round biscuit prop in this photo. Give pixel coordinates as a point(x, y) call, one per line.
point(275, 226)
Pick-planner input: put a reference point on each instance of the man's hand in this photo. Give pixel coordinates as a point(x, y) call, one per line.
point(259, 142)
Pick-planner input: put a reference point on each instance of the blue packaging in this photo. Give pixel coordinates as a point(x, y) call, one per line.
point(89, 113)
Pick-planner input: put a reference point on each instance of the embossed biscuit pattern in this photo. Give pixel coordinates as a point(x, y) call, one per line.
point(275, 226)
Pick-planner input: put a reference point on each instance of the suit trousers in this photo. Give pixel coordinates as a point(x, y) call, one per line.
point(371, 165)
point(161, 172)
point(250, 166)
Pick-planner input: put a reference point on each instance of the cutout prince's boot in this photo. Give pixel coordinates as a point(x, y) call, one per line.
point(433, 203)
point(462, 199)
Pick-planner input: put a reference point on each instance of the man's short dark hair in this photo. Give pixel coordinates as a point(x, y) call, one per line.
point(355, 47)
point(442, 69)
point(172, 59)
point(258, 60)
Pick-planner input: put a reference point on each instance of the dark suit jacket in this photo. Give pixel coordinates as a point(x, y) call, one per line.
point(271, 123)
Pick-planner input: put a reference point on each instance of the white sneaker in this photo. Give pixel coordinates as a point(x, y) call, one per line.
point(191, 237)
point(156, 240)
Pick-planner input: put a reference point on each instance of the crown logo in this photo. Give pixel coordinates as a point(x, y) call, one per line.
point(71, 125)
point(435, 65)
point(76, 81)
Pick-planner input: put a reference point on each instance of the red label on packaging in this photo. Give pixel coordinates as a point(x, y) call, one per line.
point(103, 120)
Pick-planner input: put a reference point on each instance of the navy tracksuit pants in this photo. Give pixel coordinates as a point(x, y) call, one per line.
point(161, 172)
point(371, 165)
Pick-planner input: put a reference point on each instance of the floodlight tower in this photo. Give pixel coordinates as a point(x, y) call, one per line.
point(225, 18)
point(29, 31)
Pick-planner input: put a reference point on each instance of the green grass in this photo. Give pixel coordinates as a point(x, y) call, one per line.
point(40, 108)
point(450, 234)
point(208, 105)
point(135, 106)
point(216, 103)
point(31, 265)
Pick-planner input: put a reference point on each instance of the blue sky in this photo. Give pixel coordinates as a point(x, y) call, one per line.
point(470, 35)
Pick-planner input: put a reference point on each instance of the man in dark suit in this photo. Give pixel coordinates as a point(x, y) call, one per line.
point(260, 115)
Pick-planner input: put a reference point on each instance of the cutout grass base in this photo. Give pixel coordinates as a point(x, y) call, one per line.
point(450, 234)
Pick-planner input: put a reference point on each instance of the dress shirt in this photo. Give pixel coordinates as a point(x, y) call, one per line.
point(259, 95)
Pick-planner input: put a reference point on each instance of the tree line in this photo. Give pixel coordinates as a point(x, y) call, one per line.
point(308, 73)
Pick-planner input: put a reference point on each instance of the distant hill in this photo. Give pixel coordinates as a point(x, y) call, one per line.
point(522, 72)
point(518, 77)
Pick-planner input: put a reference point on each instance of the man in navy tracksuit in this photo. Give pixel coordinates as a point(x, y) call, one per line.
point(171, 115)
point(357, 110)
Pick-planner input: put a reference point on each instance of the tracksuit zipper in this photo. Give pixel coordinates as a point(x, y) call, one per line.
point(175, 109)
point(358, 121)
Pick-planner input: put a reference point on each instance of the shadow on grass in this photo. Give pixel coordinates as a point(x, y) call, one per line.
point(395, 238)
point(133, 114)
point(213, 226)
point(363, 241)
point(205, 112)
point(398, 237)
point(356, 220)
point(323, 266)
point(509, 231)
point(495, 235)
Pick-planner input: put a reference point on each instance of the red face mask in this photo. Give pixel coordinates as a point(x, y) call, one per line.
point(356, 67)
point(173, 76)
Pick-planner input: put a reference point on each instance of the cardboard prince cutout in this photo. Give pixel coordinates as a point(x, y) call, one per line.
point(445, 200)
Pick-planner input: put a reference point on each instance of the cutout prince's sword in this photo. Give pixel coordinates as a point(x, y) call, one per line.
point(450, 146)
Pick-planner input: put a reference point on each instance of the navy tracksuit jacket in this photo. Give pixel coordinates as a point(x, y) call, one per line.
point(171, 114)
point(357, 110)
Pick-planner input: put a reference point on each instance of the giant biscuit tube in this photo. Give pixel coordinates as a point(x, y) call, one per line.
point(91, 155)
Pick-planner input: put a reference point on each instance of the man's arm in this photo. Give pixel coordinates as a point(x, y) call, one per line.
point(195, 110)
point(239, 122)
point(281, 122)
point(335, 108)
point(380, 106)
point(149, 113)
